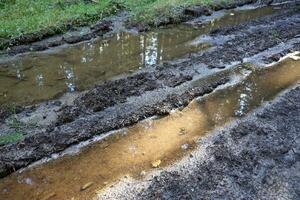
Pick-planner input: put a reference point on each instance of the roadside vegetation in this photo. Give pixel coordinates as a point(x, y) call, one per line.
point(11, 138)
point(18, 17)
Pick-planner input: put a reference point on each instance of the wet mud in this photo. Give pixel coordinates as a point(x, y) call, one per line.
point(153, 143)
point(46, 39)
point(257, 157)
point(151, 91)
point(243, 45)
point(31, 78)
point(41, 76)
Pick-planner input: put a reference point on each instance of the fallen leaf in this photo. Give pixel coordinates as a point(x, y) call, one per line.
point(86, 186)
point(49, 196)
point(156, 163)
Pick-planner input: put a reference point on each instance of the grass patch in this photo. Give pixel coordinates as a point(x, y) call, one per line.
point(149, 11)
point(11, 138)
point(14, 123)
point(18, 17)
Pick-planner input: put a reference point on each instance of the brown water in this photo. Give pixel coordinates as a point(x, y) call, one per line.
point(132, 151)
point(40, 76)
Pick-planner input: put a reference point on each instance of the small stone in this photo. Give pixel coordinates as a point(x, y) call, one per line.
point(86, 186)
point(57, 103)
point(143, 173)
point(156, 163)
point(185, 146)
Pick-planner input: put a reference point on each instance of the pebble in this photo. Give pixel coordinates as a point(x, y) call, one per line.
point(185, 146)
point(143, 173)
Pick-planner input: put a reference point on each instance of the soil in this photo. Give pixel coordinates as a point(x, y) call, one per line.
point(151, 91)
point(257, 157)
point(45, 39)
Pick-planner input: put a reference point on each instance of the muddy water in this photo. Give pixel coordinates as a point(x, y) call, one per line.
point(134, 150)
point(40, 76)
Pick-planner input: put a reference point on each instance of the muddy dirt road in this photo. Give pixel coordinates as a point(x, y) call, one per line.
point(230, 62)
point(255, 158)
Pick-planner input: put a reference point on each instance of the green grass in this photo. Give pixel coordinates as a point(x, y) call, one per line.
point(13, 123)
point(150, 10)
point(27, 16)
point(11, 138)
point(18, 17)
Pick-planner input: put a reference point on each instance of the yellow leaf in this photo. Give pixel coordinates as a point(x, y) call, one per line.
point(156, 163)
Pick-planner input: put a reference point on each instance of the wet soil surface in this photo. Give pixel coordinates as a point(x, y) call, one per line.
point(133, 151)
point(46, 39)
point(150, 91)
point(37, 76)
point(257, 157)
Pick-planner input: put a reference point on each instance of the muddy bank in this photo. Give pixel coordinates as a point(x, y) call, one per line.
point(50, 38)
point(257, 157)
point(151, 91)
point(39, 145)
point(248, 39)
point(39, 76)
point(130, 151)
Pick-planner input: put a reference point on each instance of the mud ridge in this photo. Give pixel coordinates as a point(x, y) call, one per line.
point(248, 40)
point(152, 91)
point(251, 38)
point(257, 157)
point(45, 39)
point(37, 146)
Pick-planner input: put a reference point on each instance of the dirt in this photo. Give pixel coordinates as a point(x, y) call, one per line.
point(254, 158)
point(153, 91)
point(131, 152)
point(249, 39)
point(46, 39)
point(39, 76)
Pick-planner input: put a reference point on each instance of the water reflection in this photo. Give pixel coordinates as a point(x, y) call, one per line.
point(69, 77)
point(132, 151)
point(40, 76)
point(245, 96)
point(82, 65)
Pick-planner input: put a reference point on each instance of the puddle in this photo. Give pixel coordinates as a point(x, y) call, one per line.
point(134, 151)
point(40, 76)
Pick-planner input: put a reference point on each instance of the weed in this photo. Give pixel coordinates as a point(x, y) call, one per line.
point(11, 138)
point(275, 36)
point(19, 17)
point(14, 123)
